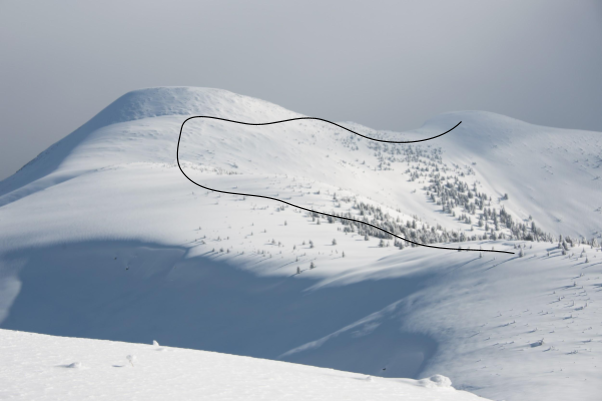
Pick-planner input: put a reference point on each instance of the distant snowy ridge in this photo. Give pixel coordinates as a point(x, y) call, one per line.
point(506, 156)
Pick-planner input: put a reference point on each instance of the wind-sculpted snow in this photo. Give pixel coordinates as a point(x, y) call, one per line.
point(102, 237)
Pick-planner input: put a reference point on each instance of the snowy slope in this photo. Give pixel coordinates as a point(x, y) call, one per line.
point(553, 174)
point(42, 367)
point(102, 237)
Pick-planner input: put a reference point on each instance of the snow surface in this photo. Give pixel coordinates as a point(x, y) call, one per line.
point(41, 367)
point(102, 237)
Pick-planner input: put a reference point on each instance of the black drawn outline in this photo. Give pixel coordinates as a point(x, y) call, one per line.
point(315, 211)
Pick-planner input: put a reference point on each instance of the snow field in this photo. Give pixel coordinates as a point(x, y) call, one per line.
point(41, 367)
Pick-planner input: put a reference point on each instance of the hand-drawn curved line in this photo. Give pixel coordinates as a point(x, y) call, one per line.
point(319, 119)
point(309, 210)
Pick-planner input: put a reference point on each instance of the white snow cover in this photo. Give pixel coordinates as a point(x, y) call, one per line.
point(102, 237)
point(40, 367)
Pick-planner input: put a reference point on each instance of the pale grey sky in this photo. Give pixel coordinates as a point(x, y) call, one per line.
point(384, 64)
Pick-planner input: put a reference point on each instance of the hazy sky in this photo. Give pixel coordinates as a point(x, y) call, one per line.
point(384, 64)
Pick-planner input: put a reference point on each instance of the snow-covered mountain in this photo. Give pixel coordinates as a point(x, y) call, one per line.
point(103, 237)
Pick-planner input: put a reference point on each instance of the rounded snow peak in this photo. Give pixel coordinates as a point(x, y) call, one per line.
point(475, 118)
point(185, 101)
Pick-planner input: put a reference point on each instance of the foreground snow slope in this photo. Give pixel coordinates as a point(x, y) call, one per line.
point(102, 237)
point(42, 367)
point(404, 313)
